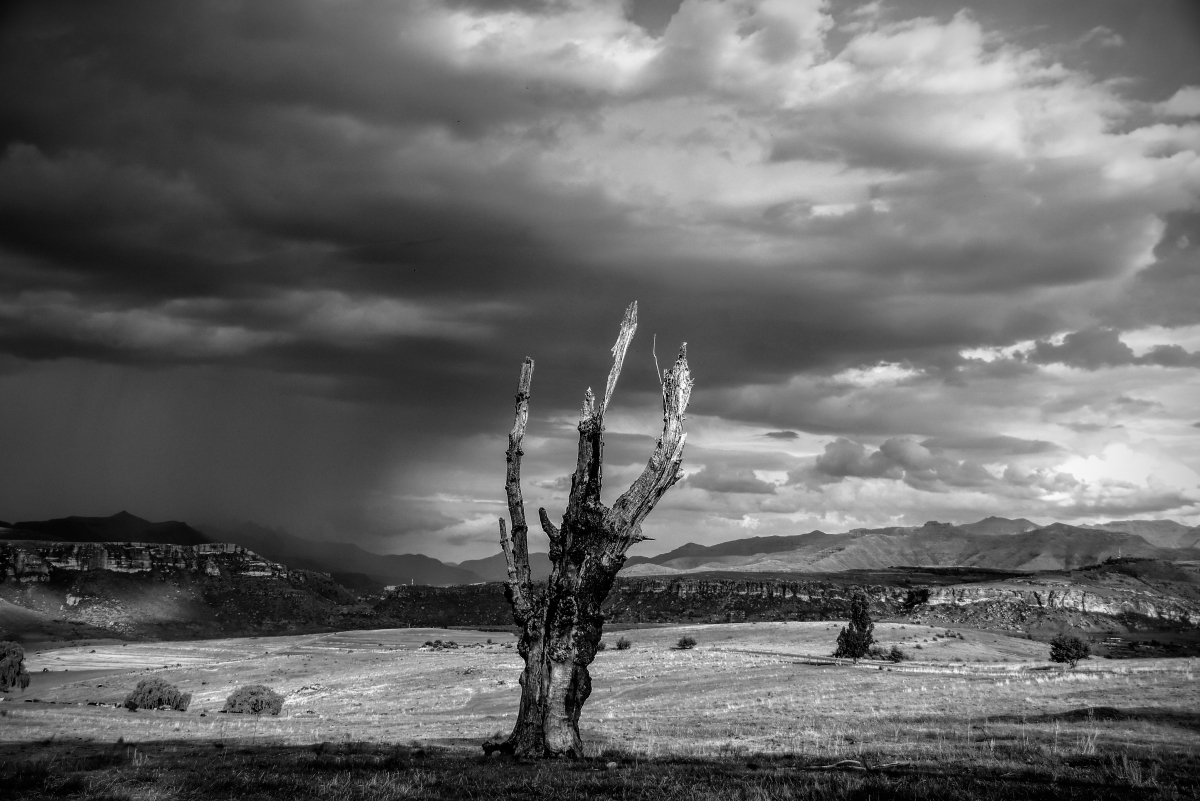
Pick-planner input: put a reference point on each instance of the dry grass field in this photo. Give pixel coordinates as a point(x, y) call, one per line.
point(754, 711)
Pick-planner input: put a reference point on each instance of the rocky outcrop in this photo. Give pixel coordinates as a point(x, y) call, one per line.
point(1046, 597)
point(35, 561)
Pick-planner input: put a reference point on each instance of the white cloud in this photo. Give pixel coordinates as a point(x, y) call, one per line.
point(1184, 103)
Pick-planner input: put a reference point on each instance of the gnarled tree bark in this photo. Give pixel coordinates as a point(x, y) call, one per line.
point(561, 623)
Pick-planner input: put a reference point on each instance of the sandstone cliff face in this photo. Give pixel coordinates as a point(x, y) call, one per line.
point(163, 591)
point(33, 561)
point(1114, 603)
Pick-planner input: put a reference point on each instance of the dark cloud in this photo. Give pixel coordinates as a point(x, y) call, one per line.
point(378, 209)
point(900, 459)
point(718, 479)
point(992, 445)
point(1102, 347)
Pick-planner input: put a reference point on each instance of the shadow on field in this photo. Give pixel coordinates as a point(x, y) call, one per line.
point(376, 771)
point(1167, 717)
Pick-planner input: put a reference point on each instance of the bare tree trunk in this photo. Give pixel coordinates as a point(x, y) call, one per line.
point(561, 623)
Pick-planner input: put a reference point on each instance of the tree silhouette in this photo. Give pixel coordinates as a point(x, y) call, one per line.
point(856, 639)
point(1066, 648)
point(12, 667)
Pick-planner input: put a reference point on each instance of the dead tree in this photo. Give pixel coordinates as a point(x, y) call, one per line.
point(561, 622)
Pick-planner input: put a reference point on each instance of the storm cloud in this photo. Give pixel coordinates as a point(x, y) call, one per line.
point(282, 261)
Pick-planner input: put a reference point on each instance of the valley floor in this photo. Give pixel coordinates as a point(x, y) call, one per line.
point(754, 711)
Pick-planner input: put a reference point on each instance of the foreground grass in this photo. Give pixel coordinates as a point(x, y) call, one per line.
point(372, 772)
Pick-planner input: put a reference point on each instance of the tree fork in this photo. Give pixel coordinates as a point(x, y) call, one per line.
point(561, 623)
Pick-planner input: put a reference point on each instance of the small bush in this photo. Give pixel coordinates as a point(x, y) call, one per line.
point(601, 646)
point(157, 693)
point(896, 655)
point(623, 644)
point(686, 643)
point(254, 699)
point(12, 667)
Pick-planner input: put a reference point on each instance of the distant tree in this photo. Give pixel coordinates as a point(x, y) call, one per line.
point(254, 699)
point(12, 667)
point(686, 643)
point(1066, 648)
point(856, 640)
point(155, 693)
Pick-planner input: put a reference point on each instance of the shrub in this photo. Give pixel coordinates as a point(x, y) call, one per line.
point(601, 646)
point(1067, 648)
point(157, 693)
point(254, 699)
point(12, 667)
point(686, 643)
point(623, 644)
point(896, 655)
point(855, 640)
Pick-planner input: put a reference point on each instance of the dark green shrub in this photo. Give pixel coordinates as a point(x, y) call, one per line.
point(601, 646)
point(254, 699)
point(686, 643)
point(896, 655)
point(157, 693)
point(1069, 649)
point(623, 644)
point(12, 667)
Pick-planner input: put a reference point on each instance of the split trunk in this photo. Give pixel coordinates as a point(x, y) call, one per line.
point(561, 622)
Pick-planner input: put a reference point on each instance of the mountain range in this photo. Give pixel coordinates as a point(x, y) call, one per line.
point(994, 542)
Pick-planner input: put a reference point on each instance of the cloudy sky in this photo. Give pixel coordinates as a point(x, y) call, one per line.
point(281, 261)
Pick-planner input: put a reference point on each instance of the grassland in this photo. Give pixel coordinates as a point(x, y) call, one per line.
point(754, 711)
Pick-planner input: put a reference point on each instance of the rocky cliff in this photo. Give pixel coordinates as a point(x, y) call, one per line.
point(169, 591)
point(34, 560)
